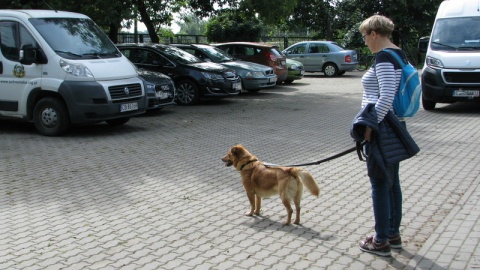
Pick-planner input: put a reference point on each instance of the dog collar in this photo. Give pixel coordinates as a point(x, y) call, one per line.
point(248, 162)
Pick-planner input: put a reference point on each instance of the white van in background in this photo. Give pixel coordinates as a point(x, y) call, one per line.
point(452, 64)
point(58, 68)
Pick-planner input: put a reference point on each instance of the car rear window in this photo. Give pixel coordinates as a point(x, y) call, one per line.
point(276, 52)
point(338, 46)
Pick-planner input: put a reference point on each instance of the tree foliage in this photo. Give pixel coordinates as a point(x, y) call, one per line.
point(270, 12)
point(318, 16)
point(192, 25)
point(232, 26)
point(246, 19)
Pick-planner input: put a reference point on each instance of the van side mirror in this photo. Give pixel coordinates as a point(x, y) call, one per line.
point(28, 54)
point(423, 44)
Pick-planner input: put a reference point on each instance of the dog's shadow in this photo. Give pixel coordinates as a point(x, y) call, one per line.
point(262, 223)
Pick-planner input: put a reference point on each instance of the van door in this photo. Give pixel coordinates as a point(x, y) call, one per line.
point(16, 79)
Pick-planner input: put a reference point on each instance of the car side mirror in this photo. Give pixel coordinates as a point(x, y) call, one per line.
point(423, 44)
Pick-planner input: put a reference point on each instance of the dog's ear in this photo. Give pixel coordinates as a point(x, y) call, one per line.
point(237, 150)
point(234, 150)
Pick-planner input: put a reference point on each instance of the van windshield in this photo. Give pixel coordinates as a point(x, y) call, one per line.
point(75, 38)
point(456, 34)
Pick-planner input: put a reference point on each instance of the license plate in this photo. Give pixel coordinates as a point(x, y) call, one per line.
point(237, 86)
point(162, 95)
point(129, 107)
point(302, 72)
point(272, 80)
point(466, 93)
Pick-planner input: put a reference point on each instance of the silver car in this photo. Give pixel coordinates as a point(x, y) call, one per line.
point(323, 56)
point(254, 76)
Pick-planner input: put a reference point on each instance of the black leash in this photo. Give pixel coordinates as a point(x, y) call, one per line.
point(358, 147)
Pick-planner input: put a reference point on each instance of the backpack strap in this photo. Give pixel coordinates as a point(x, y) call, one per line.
point(399, 60)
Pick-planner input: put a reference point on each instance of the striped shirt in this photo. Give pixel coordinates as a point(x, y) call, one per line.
point(381, 81)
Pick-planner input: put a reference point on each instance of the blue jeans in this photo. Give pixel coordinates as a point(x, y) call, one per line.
point(387, 204)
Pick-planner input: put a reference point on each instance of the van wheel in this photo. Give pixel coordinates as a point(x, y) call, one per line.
point(118, 121)
point(330, 70)
point(187, 93)
point(428, 105)
point(50, 116)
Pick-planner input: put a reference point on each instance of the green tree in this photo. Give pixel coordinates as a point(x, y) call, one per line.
point(233, 26)
point(318, 16)
point(413, 19)
point(191, 24)
point(270, 12)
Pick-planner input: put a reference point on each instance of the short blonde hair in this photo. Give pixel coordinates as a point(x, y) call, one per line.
point(378, 23)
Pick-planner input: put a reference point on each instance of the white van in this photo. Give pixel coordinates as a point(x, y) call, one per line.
point(58, 68)
point(452, 65)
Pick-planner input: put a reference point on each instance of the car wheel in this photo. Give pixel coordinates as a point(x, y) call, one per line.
point(118, 121)
point(330, 70)
point(428, 105)
point(50, 116)
point(187, 93)
point(288, 81)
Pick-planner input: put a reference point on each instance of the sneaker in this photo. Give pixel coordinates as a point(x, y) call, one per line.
point(395, 241)
point(372, 246)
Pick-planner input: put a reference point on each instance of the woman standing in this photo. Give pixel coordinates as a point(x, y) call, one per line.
point(380, 84)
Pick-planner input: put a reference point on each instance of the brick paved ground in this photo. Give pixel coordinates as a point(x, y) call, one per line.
point(154, 194)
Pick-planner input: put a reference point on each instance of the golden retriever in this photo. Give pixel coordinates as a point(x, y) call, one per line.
point(262, 181)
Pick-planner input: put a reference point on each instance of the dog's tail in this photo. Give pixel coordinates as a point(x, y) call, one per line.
point(308, 181)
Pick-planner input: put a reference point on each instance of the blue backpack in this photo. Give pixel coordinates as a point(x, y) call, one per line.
point(407, 99)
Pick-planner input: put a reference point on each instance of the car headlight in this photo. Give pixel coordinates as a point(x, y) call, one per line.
point(79, 70)
point(212, 76)
point(149, 87)
point(293, 67)
point(433, 62)
point(254, 74)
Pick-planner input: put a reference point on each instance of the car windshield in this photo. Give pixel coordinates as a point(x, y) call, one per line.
point(217, 55)
point(179, 55)
point(75, 38)
point(455, 34)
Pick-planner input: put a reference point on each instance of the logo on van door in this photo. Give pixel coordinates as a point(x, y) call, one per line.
point(19, 71)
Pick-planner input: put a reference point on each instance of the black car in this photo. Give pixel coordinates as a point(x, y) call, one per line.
point(254, 76)
point(194, 79)
point(159, 87)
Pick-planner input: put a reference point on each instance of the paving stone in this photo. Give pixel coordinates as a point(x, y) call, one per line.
point(154, 194)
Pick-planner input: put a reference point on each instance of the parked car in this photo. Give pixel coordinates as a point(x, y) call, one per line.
point(254, 76)
point(323, 56)
point(194, 79)
point(265, 54)
point(296, 70)
point(159, 87)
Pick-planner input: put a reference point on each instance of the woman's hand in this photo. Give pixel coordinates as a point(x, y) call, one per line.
point(368, 134)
